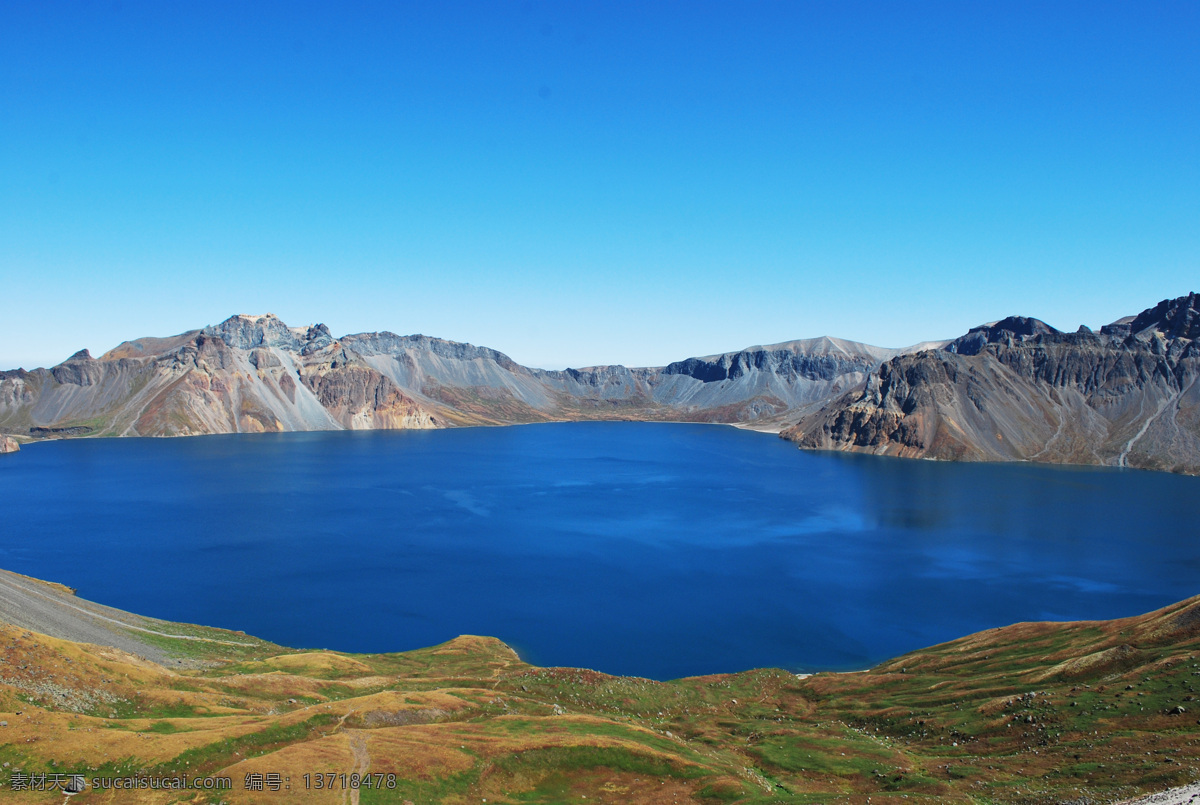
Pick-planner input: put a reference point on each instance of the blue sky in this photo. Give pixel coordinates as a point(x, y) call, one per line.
point(577, 183)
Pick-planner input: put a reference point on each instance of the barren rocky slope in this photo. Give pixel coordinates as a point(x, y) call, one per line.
point(256, 374)
point(1019, 389)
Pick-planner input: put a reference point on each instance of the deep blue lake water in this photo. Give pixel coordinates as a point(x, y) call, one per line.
point(649, 549)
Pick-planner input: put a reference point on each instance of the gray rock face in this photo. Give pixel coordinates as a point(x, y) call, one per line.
point(78, 370)
point(751, 385)
point(386, 343)
point(1008, 331)
point(247, 332)
point(9, 445)
point(261, 358)
point(1021, 390)
point(775, 361)
point(316, 338)
point(1173, 318)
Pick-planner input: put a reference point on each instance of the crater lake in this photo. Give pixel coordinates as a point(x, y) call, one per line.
point(657, 550)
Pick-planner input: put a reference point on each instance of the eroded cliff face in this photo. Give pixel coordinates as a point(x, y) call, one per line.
point(1021, 390)
point(758, 384)
point(252, 374)
point(264, 378)
point(360, 398)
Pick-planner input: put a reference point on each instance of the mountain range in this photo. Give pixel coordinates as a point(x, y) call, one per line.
point(256, 374)
point(1016, 389)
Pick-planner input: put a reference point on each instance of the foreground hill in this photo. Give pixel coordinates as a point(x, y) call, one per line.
point(1019, 389)
point(1031, 713)
point(255, 374)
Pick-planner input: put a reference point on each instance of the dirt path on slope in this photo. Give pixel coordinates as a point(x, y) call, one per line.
point(362, 762)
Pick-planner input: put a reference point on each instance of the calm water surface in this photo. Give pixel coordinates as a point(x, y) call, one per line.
point(649, 549)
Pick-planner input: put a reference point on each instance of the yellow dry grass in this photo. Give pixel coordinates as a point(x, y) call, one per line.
point(317, 662)
point(329, 754)
point(85, 741)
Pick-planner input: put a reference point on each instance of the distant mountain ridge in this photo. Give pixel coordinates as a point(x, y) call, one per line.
point(1015, 389)
point(257, 374)
point(1019, 389)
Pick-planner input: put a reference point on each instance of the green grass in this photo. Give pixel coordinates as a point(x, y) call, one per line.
point(203, 650)
point(132, 708)
point(795, 752)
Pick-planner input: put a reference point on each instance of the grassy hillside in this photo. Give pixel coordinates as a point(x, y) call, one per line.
point(1050, 712)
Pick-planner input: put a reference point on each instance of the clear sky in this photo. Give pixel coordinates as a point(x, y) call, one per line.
point(576, 183)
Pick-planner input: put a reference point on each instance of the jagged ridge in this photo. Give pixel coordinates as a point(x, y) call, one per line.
point(255, 374)
point(1019, 389)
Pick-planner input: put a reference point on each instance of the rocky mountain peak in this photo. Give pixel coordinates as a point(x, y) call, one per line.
point(316, 338)
point(82, 355)
point(1174, 318)
point(268, 330)
point(1119, 328)
point(248, 332)
point(1005, 331)
point(1023, 325)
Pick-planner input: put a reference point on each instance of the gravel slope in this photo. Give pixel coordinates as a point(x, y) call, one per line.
point(1184, 795)
point(50, 609)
